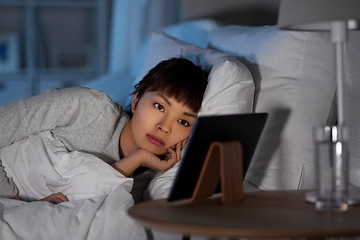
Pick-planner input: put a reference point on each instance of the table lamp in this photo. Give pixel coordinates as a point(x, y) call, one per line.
point(338, 17)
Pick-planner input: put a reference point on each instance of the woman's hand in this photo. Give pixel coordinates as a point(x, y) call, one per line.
point(175, 152)
point(171, 158)
point(55, 198)
point(142, 157)
point(16, 197)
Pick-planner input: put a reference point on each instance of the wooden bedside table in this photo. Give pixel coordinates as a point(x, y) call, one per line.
point(278, 214)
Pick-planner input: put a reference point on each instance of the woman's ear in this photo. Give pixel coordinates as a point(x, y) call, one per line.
point(134, 102)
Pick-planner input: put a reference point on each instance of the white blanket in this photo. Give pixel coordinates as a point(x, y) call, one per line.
point(103, 217)
point(41, 165)
point(100, 195)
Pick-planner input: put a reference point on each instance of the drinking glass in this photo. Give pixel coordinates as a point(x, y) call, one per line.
point(331, 169)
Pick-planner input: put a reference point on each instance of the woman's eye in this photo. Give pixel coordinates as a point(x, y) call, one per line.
point(159, 106)
point(184, 122)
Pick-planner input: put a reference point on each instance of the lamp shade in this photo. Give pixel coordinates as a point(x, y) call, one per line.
point(317, 14)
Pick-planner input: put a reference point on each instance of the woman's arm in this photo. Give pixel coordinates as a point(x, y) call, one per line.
point(55, 108)
point(127, 165)
point(53, 198)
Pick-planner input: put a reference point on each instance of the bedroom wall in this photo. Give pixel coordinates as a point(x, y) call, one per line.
point(244, 12)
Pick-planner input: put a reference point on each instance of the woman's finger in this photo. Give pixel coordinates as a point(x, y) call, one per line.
point(62, 197)
point(183, 143)
point(178, 150)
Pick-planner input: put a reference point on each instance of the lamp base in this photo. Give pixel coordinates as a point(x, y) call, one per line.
point(353, 197)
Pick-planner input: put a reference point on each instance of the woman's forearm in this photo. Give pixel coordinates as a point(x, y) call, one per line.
point(127, 165)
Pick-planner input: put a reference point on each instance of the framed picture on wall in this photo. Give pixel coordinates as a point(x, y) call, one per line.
point(9, 52)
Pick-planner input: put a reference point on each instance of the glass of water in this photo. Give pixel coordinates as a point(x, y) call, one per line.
point(331, 161)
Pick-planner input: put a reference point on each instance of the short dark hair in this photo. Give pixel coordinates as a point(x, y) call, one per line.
point(178, 78)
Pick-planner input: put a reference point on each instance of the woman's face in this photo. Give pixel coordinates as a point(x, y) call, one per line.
point(159, 122)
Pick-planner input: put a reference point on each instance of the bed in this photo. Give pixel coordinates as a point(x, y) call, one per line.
point(289, 75)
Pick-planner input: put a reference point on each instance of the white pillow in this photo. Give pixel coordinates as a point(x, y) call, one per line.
point(230, 88)
point(230, 85)
point(294, 74)
point(193, 31)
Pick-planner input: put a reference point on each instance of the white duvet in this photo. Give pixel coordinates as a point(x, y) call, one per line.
point(41, 165)
point(99, 195)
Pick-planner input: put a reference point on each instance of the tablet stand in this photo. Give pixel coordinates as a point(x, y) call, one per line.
point(223, 161)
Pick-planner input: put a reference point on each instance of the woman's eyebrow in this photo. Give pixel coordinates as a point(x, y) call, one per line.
point(169, 103)
point(190, 114)
point(165, 99)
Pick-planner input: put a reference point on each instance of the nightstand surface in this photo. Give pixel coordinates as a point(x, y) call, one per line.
point(277, 214)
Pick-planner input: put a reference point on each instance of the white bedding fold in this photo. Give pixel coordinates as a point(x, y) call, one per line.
point(100, 195)
point(41, 165)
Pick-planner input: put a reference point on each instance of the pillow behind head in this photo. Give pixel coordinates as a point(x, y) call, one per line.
point(193, 31)
point(230, 87)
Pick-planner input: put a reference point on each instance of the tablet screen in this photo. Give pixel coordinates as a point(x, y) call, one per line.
point(245, 128)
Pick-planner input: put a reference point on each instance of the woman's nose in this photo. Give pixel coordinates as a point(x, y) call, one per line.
point(164, 126)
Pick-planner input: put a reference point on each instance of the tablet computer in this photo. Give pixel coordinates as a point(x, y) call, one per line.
point(245, 128)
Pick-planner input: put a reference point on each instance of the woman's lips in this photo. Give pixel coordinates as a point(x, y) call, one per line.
point(155, 140)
